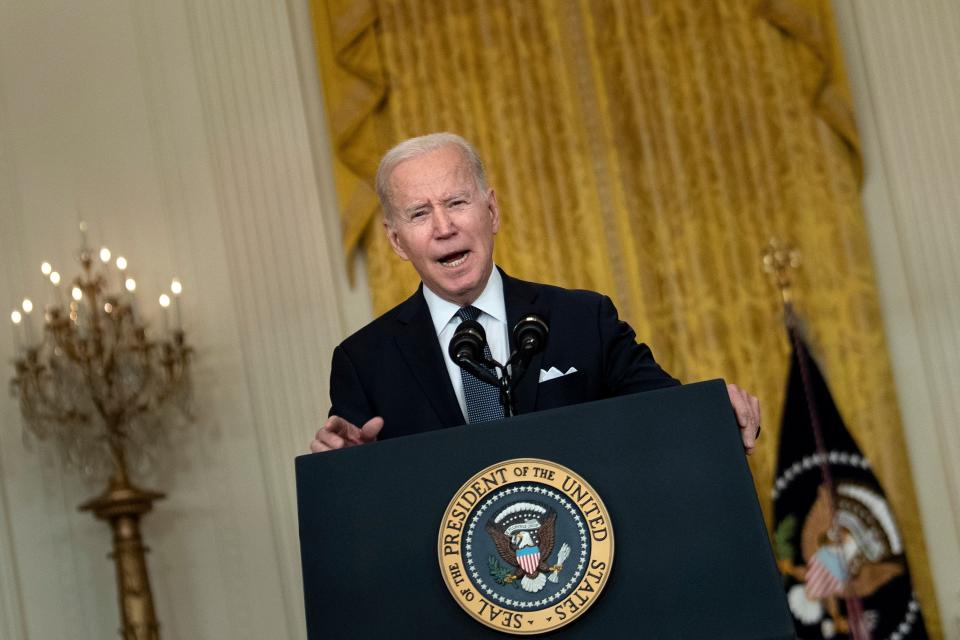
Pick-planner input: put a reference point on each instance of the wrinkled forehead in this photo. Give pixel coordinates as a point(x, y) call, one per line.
point(434, 175)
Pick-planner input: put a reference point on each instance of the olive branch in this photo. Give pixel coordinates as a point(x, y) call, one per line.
point(498, 572)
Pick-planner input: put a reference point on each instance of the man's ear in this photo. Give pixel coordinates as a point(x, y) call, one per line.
point(494, 210)
point(394, 239)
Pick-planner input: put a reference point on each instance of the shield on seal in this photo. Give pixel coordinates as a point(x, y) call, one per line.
point(529, 559)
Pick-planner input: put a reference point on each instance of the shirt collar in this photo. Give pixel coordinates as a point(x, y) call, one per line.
point(490, 302)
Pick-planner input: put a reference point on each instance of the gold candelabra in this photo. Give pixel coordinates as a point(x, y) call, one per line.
point(94, 382)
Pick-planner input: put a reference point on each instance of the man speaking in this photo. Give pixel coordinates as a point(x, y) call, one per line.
point(395, 376)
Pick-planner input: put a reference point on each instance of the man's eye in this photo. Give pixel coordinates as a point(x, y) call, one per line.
point(419, 213)
point(458, 203)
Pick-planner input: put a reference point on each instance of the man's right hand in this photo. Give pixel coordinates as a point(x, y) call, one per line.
point(338, 433)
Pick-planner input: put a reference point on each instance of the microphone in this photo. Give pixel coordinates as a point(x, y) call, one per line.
point(530, 335)
point(466, 350)
point(468, 341)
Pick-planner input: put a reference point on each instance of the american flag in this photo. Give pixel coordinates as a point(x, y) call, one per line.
point(826, 574)
point(529, 559)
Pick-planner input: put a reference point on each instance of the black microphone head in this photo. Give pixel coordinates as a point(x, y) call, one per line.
point(530, 334)
point(467, 342)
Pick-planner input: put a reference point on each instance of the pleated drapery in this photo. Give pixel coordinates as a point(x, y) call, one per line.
point(647, 149)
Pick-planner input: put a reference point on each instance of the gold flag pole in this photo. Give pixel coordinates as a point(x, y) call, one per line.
point(779, 261)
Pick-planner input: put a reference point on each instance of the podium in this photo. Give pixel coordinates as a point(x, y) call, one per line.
point(692, 558)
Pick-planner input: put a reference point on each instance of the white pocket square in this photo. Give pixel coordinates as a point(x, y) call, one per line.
point(553, 373)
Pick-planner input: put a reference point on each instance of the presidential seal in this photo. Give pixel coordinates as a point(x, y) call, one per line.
point(525, 546)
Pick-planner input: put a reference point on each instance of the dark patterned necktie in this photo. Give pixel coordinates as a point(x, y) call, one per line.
point(483, 400)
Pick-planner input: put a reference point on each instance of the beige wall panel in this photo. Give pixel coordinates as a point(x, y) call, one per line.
point(181, 132)
point(903, 59)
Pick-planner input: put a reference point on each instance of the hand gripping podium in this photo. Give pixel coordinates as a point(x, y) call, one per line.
point(691, 559)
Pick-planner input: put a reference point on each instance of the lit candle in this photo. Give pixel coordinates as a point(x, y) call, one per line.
point(164, 304)
point(46, 269)
point(105, 263)
point(176, 288)
point(55, 281)
point(27, 307)
point(83, 235)
point(75, 307)
point(122, 267)
point(131, 286)
point(16, 318)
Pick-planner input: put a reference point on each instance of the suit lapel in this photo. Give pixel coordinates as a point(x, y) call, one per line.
point(521, 298)
point(419, 346)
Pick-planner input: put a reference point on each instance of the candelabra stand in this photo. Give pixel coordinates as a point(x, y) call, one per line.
point(96, 384)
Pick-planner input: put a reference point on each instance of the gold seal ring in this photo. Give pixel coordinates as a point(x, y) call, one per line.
point(525, 546)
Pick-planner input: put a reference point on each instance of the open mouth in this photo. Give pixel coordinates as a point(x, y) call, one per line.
point(455, 259)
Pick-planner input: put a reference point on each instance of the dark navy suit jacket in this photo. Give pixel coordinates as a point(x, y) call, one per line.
point(394, 366)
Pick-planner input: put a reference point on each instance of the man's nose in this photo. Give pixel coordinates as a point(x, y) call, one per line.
point(443, 224)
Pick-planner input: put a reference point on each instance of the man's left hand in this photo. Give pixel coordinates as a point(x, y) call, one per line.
point(747, 409)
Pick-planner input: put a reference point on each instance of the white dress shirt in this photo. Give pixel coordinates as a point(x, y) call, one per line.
point(493, 319)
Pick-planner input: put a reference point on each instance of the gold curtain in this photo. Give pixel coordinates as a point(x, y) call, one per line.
point(647, 149)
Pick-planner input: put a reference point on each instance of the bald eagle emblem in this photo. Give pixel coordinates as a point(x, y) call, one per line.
point(524, 535)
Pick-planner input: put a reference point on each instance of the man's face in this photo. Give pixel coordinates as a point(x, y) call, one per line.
point(442, 224)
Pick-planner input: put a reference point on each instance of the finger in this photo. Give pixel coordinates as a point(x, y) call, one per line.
point(316, 446)
point(740, 405)
point(343, 428)
point(748, 416)
point(755, 405)
point(749, 438)
point(371, 429)
point(330, 440)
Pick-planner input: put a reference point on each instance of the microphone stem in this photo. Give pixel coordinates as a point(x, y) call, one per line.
point(506, 394)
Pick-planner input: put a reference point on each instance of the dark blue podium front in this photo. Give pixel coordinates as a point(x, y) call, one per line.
point(692, 556)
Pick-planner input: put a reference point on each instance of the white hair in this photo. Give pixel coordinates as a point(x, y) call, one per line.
point(420, 145)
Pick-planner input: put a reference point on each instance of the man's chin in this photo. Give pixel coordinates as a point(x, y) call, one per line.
point(460, 291)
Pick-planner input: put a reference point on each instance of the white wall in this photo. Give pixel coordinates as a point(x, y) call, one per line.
point(904, 60)
point(189, 134)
